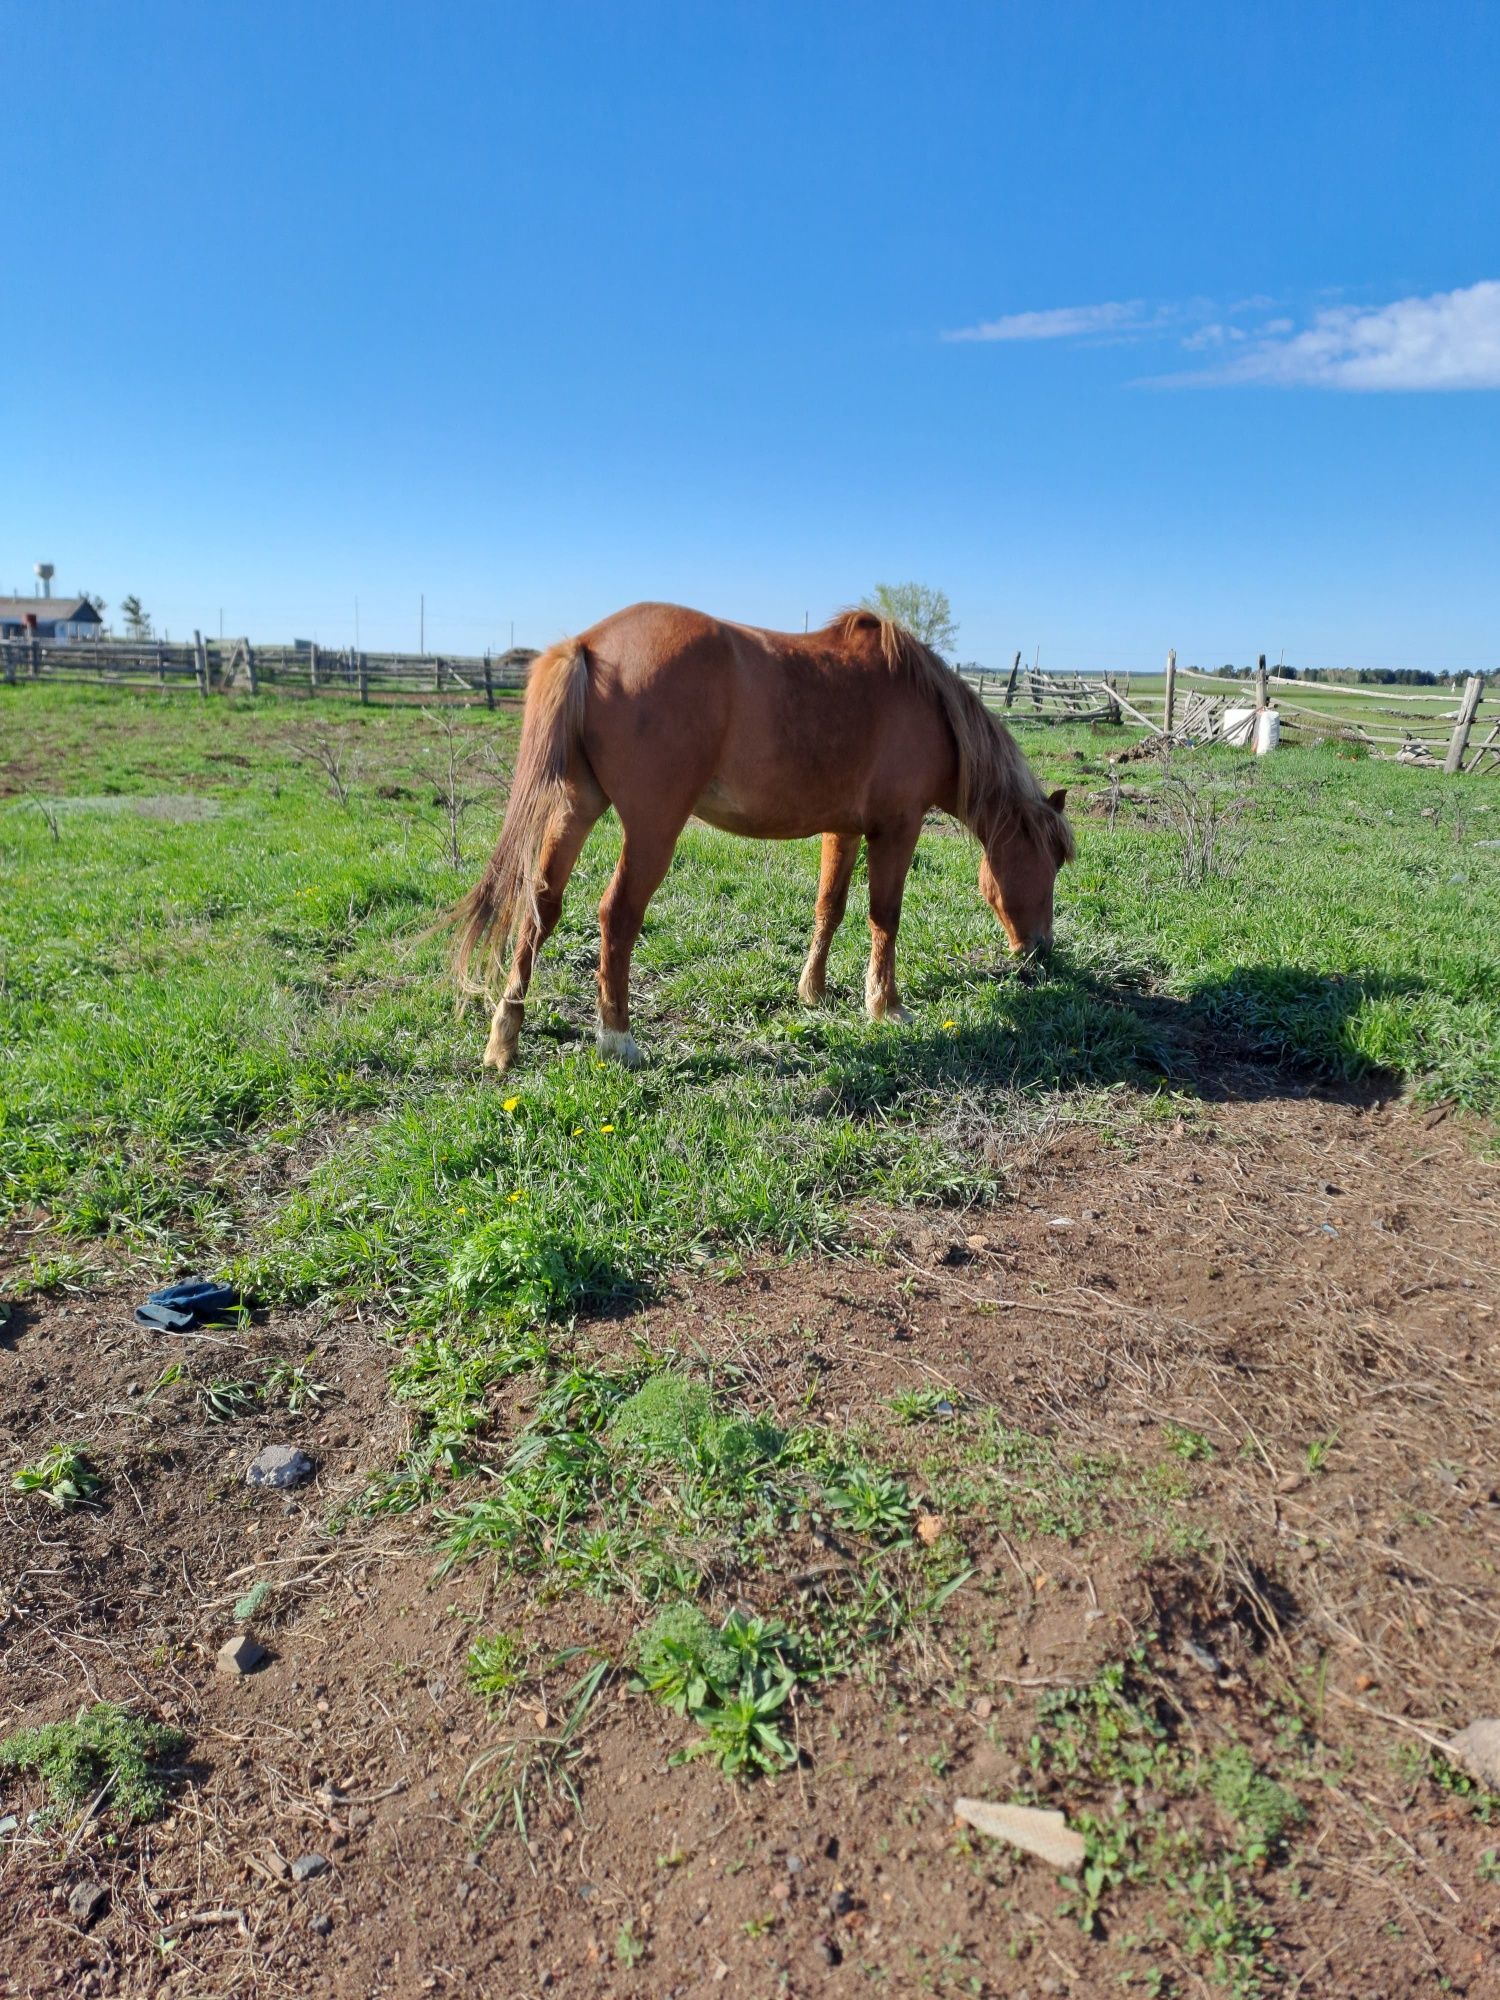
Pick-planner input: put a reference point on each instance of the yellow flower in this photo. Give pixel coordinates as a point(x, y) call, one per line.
point(577, 1131)
point(606, 1128)
point(950, 1024)
point(519, 1195)
point(510, 1104)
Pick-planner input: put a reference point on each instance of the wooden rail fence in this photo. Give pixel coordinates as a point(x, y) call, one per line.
point(1455, 729)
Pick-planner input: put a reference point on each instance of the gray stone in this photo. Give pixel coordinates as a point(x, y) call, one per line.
point(1477, 1748)
point(86, 1902)
point(240, 1655)
point(321, 1925)
point(8, 1825)
point(278, 1466)
point(308, 1867)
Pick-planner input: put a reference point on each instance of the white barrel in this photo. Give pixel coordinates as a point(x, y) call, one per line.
point(1267, 731)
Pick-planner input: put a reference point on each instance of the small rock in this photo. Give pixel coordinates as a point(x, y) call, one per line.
point(930, 1528)
point(308, 1867)
point(321, 1925)
point(840, 1903)
point(984, 1708)
point(86, 1902)
point(1061, 1222)
point(240, 1655)
point(279, 1465)
point(8, 1825)
point(794, 1864)
point(1477, 1748)
point(1036, 1831)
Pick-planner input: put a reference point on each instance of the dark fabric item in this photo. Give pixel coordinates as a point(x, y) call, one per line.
point(180, 1306)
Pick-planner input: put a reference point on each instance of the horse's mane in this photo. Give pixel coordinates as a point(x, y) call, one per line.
point(997, 788)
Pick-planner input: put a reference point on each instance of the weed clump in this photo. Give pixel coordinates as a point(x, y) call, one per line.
point(105, 1749)
point(663, 1420)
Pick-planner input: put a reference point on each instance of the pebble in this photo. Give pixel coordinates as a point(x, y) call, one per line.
point(1477, 1748)
point(279, 1465)
point(86, 1902)
point(8, 1825)
point(321, 1925)
point(239, 1656)
point(307, 1867)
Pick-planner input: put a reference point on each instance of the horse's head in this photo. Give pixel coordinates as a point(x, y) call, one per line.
point(1018, 869)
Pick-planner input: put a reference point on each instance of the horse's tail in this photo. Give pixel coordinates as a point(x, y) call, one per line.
point(487, 918)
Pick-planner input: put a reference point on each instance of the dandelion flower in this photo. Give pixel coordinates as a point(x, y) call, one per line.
point(606, 1128)
point(519, 1195)
point(946, 1024)
point(510, 1104)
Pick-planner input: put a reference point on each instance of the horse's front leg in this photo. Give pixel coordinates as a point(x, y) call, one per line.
point(840, 852)
point(642, 864)
point(890, 852)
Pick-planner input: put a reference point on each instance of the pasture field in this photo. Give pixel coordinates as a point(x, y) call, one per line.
point(1079, 1395)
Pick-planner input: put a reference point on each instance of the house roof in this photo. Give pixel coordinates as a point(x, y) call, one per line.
point(48, 611)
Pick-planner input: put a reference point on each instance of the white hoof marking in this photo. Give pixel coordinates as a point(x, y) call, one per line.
point(620, 1048)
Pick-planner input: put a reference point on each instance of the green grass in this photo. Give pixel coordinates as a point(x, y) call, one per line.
point(104, 1751)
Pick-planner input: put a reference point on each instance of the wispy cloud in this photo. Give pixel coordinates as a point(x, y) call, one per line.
point(1059, 323)
point(1450, 340)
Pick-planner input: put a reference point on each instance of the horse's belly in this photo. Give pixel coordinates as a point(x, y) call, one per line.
point(759, 819)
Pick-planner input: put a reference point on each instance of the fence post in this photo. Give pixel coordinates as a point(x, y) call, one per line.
point(250, 668)
point(489, 684)
point(312, 668)
point(1171, 697)
point(1467, 710)
point(1260, 682)
point(364, 680)
point(437, 676)
point(10, 665)
point(36, 659)
point(1010, 685)
point(200, 660)
point(161, 663)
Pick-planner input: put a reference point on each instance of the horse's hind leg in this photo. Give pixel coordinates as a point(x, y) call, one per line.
point(644, 860)
point(840, 852)
point(560, 850)
point(890, 853)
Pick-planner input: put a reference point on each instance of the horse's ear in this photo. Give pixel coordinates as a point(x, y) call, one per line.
point(1057, 800)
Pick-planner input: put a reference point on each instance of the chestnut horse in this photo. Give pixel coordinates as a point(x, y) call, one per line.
point(854, 731)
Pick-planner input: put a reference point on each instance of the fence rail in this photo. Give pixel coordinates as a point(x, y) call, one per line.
point(1456, 728)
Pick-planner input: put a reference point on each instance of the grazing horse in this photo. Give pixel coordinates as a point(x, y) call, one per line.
point(854, 731)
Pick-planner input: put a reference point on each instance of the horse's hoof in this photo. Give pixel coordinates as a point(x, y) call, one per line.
point(895, 1015)
point(617, 1047)
point(810, 996)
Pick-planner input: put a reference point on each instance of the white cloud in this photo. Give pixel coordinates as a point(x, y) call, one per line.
point(1448, 341)
point(1059, 322)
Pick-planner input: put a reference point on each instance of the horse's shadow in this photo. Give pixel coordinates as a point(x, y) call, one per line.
point(1254, 1033)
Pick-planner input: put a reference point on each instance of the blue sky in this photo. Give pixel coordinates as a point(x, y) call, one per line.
point(1129, 326)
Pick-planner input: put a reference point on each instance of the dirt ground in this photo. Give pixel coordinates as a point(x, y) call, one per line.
point(1304, 1284)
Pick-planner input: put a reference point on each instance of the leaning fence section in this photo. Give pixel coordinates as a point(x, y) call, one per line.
point(1449, 728)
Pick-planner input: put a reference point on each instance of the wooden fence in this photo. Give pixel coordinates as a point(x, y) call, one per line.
point(1456, 729)
point(225, 666)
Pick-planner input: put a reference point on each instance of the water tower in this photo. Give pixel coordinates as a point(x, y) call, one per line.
point(46, 572)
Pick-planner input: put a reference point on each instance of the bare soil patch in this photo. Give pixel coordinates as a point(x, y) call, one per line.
point(1273, 1323)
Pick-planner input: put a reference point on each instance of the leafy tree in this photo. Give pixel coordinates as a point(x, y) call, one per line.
point(137, 619)
point(925, 612)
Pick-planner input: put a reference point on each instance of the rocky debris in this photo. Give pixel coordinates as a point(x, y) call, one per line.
point(308, 1867)
point(1477, 1748)
point(87, 1902)
point(1031, 1828)
point(240, 1655)
point(321, 1925)
point(279, 1466)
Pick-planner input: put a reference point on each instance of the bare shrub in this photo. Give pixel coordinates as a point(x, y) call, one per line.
point(1207, 817)
point(333, 753)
